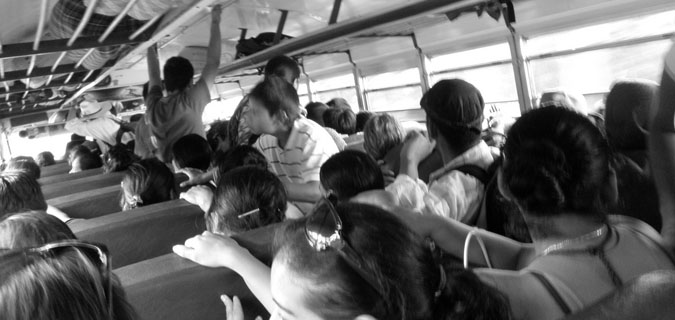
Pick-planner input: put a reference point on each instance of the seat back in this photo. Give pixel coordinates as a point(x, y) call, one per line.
point(172, 288)
point(89, 204)
point(63, 188)
point(55, 169)
point(65, 176)
point(142, 233)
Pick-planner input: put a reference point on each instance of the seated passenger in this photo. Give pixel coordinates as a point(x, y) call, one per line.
point(362, 118)
point(84, 159)
point(454, 111)
point(348, 173)
point(61, 280)
point(559, 97)
point(351, 262)
point(147, 182)
point(381, 134)
point(294, 146)
point(45, 159)
point(246, 198)
point(315, 111)
point(19, 192)
point(338, 103)
point(191, 151)
point(218, 136)
point(32, 229)
point(119, 158)
point(26, 164)
point(342, 120)
point(236, 157)
point(557, 169)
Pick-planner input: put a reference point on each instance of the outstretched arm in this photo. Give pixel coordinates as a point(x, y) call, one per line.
point(213, 54)
point(153, 67)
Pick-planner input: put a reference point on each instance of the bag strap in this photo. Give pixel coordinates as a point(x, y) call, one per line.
point(476, 218)
point(551, 290)
point(475, 171)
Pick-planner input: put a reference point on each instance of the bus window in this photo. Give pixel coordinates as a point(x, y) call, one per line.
point(341, 86)
point(220, 109)
point(397, 90)
point(489, 69)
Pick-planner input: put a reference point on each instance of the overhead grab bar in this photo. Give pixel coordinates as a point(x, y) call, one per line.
point(41, 25)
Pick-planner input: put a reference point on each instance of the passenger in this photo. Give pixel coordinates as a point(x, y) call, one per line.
point(191, 151)
point(45, 159)
point(662, 149)
point(281, 66)
point(454, 111)
point(338, 103)
point(218, 136)
point(348, 173)
point(147, 182)
point(119, 158)
point(361, 118)
point(246, 198)
point(85, 160)
point(343, 120)
point(294, 146)
point(143, 146)
point(26, 164)
point(95, 121)
point(557, 169)
point(236, 157)
point(180, 113)
point(330, 118)
point(61, 280)
point(381, 134)
point(75, 140)
point(32, 229)
point(368, 266)
point(563, 98)
point(19, 192)
point(315, 111)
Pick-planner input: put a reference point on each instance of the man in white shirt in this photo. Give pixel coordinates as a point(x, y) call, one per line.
point(294, 146)
point(95, 121)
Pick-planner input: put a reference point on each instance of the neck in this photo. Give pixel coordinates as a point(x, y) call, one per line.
point(448, 153)
point(547, 231)
point(282, 133)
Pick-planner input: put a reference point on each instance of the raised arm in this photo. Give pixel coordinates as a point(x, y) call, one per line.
point(153, 67)
point(213, 54)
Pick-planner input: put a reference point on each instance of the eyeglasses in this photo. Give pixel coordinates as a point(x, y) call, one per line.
point(13, 260)
point(323, 230)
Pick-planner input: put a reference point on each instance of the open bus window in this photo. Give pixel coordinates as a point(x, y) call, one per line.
point(341, 86)
point(397, 90)
point(47, 139)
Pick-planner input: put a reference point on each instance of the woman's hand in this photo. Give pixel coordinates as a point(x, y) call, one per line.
point(416, 148)
point(199, 195)
point(212, 250)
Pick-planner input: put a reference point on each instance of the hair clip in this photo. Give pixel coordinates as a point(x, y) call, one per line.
point(248, 213)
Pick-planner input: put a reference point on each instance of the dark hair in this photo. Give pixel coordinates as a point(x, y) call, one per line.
point(361, 118)
point(556, 160)
point(178, 73)
point(381, 134)
point(66, 285)
point(119, 158)
point(627, 113)
point(349, 173)
point(20, 192)
point(454, 110)
point(26, 164)
point(70, 146)
point(238, 156)
point(242, 190)
point(282, 67)
point(87, 159)
point(330, 118)
point(398, 259)
point(219, 131)
point(147, 182)
point(278, 97)
point(315, 111)
point(45, 159)
point(338, 103)
point(345, 121)
point(31, 229)
point(192, 151)
point(146, 88)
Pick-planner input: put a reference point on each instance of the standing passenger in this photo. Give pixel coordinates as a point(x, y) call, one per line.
point(180, 113)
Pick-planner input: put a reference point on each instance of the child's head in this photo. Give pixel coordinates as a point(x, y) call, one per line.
point(345, 121)
point(19, 192)
point(273, 103)
point(315, 111)
point(45, 158)
point(31, 229)
point(191, 151)
point(283, 67)
point(236, 157)
point(454, 111)
point(147, 182)
point(381, 134)
point(26, 164)
point(243, 190)
point(348, 173)
point(361, 118)
point(119, 158)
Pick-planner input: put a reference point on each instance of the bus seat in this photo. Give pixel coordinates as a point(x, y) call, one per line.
point(170, 287)
point(89, 204)
point(57, 168)
point(65, 176)
point(82, 184)
point(142, 233)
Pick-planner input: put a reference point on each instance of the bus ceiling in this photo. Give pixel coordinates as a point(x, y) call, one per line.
point(52, 51)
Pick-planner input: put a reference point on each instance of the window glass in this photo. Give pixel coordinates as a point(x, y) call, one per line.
point(343, 81)
point(56, 144)
point(348, 94)
point(499, 52)
point(595, 71)
point(633, 28)
point(220, 109)
point(392, 79)
point(395, 99)
point(304, 100)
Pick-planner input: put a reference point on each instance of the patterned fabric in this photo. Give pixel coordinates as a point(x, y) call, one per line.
point(451, 193)
point(239, 132)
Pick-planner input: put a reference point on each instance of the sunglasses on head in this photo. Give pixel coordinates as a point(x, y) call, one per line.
point(323, 230)
point(14, 260)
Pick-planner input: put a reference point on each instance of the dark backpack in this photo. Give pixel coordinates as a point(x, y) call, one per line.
point(249, 46)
